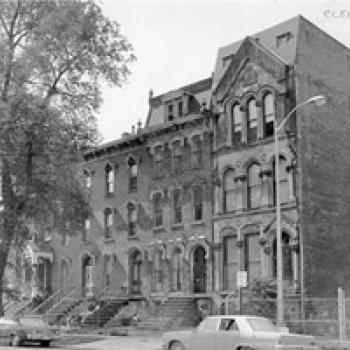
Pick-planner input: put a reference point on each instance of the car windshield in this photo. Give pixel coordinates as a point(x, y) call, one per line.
point(261, 324)
point(32, 322)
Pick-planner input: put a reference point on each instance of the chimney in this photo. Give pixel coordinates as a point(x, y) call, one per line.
point(133, 129)
point(139, 126)
point(150, 94)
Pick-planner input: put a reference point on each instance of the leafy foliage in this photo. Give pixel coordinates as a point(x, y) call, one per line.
point(54, 58)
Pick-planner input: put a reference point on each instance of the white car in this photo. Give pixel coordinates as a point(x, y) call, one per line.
point(237, 332)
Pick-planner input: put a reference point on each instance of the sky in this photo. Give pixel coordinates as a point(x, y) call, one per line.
point(176, 43)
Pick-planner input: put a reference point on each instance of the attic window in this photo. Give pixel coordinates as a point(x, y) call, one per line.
point(226, 61)
point(170, 112)
point(283, 38)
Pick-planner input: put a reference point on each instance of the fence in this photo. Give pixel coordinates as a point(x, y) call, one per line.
point(317, 316)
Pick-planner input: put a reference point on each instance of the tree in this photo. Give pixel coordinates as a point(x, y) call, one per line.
point(54, 56)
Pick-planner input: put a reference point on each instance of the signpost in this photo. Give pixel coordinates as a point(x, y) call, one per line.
point(241, 283)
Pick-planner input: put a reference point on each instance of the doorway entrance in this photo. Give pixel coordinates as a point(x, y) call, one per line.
point(199, 270)
point(135, 272)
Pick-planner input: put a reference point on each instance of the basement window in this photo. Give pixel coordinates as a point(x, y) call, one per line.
point(283, 38)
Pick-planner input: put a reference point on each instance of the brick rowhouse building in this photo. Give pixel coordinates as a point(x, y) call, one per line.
point(180, 205)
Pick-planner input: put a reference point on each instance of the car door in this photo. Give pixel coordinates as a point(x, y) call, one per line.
point(203, 337)
point(228, 335)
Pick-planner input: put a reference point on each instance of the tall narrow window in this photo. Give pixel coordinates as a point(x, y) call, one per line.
point(158, 161)
point(177, 156)
point(176, 267)
point(231, 262)
point(287, 258)
point(236, 124)
point(108, 222)
point(268, 114)
point(198, 203)
point(87, 179)
point(229, 191)
point(177, 207)
point(132, 175)
point(252, 120)
point(157, 284)
point(170, 112)
point(157, 210)
point(109, 179)
point(252, 256)
point(284, 181)
point(253, 186)
point(132, 219)
point(196, 151)
point(180, 108)
point(86, 230)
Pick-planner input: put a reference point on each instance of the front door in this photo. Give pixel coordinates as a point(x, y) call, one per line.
point(135, 273)
point(199, 270)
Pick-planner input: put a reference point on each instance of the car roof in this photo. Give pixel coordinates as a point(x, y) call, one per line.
point(6, 320)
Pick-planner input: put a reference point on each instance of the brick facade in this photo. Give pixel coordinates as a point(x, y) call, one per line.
point(191, 194)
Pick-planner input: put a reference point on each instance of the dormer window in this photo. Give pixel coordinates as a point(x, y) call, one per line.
point(180, 108)
point(170, 112)
point(283, 38)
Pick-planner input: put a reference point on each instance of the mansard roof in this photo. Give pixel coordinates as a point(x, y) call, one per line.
point(199, 89)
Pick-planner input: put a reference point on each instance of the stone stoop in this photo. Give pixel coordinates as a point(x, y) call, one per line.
point(104, 314)
point(174, 313)
point(62, 309)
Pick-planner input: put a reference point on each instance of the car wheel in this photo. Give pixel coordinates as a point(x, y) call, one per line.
point(176, 345)
point(15, 340)
point(45, 343)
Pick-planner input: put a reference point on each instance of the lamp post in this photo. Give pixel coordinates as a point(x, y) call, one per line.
point(319, 100)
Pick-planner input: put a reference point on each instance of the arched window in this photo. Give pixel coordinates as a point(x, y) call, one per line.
point(132, 219)
point(177, 208)
point(252, 118)
point(198, 203)
point(284, 181)
point(229, 191)
point(253, 186)
point(287, 258)
point(109, 172)
point(108, 214)
point(268, 114)
point(157, 210)
point(132, 175)
point(236, 124)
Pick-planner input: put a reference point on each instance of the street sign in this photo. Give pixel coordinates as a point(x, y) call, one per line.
point(242, 279)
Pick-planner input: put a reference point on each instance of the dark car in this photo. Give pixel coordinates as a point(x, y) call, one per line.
point(33, 329)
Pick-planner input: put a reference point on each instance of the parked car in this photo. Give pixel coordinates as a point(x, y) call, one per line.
point(231, 332)
point(32, 329)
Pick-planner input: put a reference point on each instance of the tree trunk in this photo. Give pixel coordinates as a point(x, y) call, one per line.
point(9, 218)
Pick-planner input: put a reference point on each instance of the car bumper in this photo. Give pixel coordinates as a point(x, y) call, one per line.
point(296, 347)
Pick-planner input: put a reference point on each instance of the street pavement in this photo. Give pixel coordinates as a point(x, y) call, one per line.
point(107, 343)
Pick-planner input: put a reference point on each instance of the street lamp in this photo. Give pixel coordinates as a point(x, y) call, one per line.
point(318, 100)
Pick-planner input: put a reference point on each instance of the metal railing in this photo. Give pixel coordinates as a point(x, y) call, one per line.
point(48, 302)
